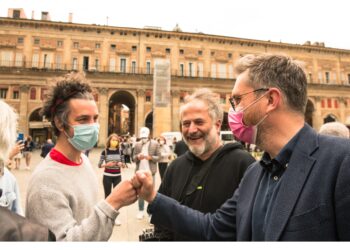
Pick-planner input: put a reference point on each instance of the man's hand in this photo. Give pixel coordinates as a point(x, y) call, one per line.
point(122, 195)
point(143, 183)
point(140, 157)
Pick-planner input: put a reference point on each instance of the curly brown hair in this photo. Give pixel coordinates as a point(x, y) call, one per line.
point(70, 86)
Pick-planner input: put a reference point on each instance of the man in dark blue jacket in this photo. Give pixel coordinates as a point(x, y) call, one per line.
point(299, 191)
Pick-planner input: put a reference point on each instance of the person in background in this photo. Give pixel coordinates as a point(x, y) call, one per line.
point(13, 227)
point(46, 148)
point(112, 160)
point(335, 129)
point(126, 147)
point(165, 155)
point(298, 191)
point(16, 155)
point(62, 193)
point(209, 172)
point(29, 146)
point(146, 155)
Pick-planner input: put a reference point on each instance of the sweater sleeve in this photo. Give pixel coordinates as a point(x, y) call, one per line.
point(102, 158)
point(51, 207)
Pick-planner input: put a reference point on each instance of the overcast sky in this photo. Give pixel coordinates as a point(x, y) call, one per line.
point(290, 21)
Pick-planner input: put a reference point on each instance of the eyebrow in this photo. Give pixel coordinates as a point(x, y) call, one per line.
point(85, 117)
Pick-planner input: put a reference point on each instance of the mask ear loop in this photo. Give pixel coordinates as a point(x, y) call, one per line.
point(254, 102)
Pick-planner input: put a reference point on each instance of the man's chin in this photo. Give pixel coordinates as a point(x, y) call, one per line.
point(197, 151)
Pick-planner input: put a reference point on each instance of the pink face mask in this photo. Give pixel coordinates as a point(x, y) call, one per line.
point(242, 132)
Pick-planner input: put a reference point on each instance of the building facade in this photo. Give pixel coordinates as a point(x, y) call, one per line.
point(119, 62)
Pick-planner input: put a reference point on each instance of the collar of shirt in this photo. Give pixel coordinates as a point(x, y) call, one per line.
point(280, 162)
point(60, 158)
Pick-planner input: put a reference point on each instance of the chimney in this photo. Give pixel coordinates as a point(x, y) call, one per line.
point(45, 16)
point(70, 17)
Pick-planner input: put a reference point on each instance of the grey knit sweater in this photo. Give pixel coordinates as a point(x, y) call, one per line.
point(64, 198)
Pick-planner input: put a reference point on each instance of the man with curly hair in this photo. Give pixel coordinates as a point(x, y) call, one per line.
point(62, 193)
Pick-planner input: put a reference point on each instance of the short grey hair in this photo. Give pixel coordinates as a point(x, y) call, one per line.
point(210, 99)
point(8, 129)
point(335, 129)
point(279, 71)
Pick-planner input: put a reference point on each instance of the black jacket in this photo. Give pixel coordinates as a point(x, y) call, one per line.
point(205, 191)
point(14, 227)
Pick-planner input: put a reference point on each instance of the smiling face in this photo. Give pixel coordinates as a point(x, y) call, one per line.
point(199, 131)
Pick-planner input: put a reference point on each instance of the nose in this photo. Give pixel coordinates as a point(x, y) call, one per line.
point(192, 128)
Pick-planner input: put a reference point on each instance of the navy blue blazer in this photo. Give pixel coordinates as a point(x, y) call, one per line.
point(313, 202)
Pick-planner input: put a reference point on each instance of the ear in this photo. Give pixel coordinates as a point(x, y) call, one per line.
point(274, 99)
point(59, 124)
point(218, 124)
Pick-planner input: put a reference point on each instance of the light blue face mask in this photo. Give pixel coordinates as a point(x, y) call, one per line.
point(85, 136)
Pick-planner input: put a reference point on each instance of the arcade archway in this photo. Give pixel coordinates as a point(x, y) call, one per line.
point(39, 128)
point(330, 118)
point(309, 112)
point(149, 122)
point(121, 113)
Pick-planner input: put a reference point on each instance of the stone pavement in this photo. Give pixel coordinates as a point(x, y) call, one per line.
point(130, 228)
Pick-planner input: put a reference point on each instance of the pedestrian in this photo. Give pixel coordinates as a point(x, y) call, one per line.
point(146, 155)
point(62, 192)
point(112, 160)
point(16, 155)
point(46, 148)
point(165, 156)
point(127, 148)
point(298, 191)
point(29, 146)
point(335, 129)
point(209, 172)
point(13, 226)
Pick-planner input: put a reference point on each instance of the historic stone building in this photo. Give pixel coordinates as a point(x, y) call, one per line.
point(119, 62)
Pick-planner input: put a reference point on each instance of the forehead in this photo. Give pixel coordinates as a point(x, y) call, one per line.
point(114, 138)
point(242, 84)
point(195, 109)
point(80, 107)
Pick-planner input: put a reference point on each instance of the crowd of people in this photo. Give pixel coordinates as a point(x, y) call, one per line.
point(298, 191)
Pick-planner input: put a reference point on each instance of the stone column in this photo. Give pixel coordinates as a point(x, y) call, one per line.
point(175, 108)
point(140, 111)
point(23, 123)
point(317, 116)
point(342, 106)
point(315, 71)
point(103, 117)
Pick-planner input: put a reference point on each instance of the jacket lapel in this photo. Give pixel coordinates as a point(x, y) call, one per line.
point(294, 178)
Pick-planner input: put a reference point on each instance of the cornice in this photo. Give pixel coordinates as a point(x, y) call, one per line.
point(184, 36)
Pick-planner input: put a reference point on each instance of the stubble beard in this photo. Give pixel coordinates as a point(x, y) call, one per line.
point(208, 143)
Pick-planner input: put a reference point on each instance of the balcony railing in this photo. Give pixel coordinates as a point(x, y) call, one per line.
point(41, 66)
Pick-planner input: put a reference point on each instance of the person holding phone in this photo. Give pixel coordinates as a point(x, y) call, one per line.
point(16, 154)
point(112, 160)
point(28, 151)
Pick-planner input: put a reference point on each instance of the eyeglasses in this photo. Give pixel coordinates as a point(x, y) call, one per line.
point(236, 99)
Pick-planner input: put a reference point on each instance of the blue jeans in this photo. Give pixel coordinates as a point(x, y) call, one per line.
point(141, 201)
